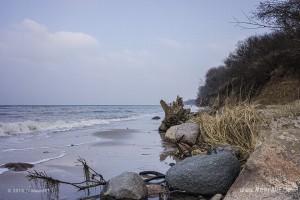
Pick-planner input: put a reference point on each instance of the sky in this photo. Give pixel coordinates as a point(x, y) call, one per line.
point(106, 52)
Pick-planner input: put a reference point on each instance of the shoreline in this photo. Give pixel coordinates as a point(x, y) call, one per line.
point(130, 146)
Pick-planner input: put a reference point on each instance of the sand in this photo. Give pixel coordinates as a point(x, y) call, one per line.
point(129, 146)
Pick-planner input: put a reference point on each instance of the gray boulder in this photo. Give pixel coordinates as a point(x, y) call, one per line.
point(18, 166)
point(189, 132)
point(128, 185)
point(156, 118)
point(204, 174)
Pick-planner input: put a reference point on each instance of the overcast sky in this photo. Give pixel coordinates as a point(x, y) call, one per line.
point(113, 51)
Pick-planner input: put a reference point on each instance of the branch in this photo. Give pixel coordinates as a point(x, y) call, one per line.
point(252, 24)
point(35, 175)
point(92, 179)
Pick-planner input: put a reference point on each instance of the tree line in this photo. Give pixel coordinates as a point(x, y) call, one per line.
point(255, 60)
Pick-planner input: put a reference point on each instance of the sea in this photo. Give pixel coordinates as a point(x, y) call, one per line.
point(111, 138)
point(32, 119)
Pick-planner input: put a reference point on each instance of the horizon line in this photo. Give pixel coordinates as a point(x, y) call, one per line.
point(79, 104)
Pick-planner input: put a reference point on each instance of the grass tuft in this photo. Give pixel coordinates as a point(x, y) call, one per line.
point(291, 109)
point(236, 126)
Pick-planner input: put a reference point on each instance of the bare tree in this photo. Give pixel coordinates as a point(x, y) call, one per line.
point(275, 15)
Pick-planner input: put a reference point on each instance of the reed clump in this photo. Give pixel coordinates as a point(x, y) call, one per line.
point(233, 125)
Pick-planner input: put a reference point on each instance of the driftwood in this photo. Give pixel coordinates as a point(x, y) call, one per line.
point(175, 114)
point(92, 179)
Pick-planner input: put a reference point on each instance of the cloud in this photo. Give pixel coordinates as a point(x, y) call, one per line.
point(73, 39)
point(33, 26)
point(33, 43)
point(70, 39)
point(30, 42)
point(41, 65)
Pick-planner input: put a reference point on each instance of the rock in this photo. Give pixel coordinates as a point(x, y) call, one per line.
point(18, 166)
point(204, 174)
point(233, 149)
point(156, 118)
point(189, 131)
point(128, 185)
point(271, 171)
point(217, 197)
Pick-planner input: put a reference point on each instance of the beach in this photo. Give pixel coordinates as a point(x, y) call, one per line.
point(132, 144)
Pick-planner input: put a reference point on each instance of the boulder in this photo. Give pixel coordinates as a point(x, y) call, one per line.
point(233, 149)
point(128, 185)
point(187, 133)
point(156, 118)
point(273, 169)
point(204, 174)
point(18, 166)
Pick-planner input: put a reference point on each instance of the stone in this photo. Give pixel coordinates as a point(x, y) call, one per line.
point(186, 133)
point(128, 185)
point(204, 174)
point(233, 149)
point(271, 171)
point(217, 197)
point(156, 118)
point(18, 166)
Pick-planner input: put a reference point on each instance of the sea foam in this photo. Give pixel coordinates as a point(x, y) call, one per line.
point(29, 126)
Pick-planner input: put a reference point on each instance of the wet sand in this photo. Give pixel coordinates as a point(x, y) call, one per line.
point(124, 146)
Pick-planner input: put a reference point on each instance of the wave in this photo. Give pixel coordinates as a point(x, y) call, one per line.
point(48, 159)
point(24, 149)
point(2, 170)
point(30, 126)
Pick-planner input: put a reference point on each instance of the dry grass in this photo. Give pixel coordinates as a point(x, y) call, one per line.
point(235, 125)
point(290, 110)
point(279, 91)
